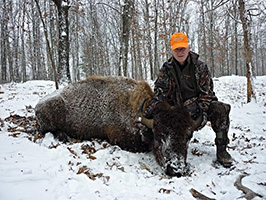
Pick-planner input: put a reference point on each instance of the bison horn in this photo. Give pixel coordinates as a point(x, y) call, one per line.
point(142, 119)
point(145, 121)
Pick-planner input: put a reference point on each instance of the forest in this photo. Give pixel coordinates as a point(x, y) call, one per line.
point(45, 44)
point(68, 40)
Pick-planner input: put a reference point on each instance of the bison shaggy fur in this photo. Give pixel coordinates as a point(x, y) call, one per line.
point(107, 108)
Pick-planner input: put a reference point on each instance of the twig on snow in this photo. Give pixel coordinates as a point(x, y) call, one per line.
point(199, 195)
point(249, 194)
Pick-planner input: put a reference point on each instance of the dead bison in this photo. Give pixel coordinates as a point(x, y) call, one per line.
point(107, 108)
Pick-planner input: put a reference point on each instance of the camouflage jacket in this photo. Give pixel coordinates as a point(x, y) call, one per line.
point(166, 88)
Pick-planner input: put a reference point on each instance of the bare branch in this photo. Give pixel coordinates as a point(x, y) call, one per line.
point(109, 7)
point(221, 3)
point(249, 194)
point(199, 195)
point(253, 14)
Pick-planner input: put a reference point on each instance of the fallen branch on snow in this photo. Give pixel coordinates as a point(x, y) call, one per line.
point(199, 195)
point(249, 194)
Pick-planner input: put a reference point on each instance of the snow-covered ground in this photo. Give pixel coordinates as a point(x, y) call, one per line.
point(44, 168)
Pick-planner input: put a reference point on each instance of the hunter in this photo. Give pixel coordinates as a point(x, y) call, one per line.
point(185, 80)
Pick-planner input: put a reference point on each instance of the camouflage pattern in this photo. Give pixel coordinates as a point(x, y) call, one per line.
point(167, 90)
point(218, 115)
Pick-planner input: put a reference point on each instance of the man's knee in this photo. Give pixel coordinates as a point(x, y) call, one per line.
point(219, 107)
point(218, 115)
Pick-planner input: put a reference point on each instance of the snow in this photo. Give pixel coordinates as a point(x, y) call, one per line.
point(49, 169)
point(64, 34)
point(64, 4)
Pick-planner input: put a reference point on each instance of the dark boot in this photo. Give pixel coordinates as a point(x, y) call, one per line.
point(223, 156)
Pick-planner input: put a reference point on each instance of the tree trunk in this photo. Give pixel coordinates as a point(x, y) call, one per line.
point(211, 40)
point(4, 39)
point(124, 41)
point(63, 72)
point(23, 56)
point(236, 38)
point(203, 30)
point(33, 41)
point(227, 49)
point(246, 32)
point(262, 53)
point(76, 46)
point(134, 40)
point(53, 35)
point(149, 40)
point(156, 56)
point(166, 33)
point(16, 37)
point(48, 44)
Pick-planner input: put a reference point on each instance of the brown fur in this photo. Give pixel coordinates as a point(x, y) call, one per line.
point(106, 108)
point(142, 91)
point(172, 127)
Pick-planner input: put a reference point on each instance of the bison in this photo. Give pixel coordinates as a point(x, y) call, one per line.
point(107, 108)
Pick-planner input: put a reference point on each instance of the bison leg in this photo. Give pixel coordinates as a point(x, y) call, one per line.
point(62, 136)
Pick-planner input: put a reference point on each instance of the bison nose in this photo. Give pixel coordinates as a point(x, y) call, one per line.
point(172, 171)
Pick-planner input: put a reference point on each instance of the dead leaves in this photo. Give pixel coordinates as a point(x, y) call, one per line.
point(86, 171)
point(196, 152)
point(87, 149)
point(244, 143)
point(243, 129)
point(2, 123)
point(54, 146)
point(28, 124)
point(73, 152)
point(165, 191)
point(23, 124)
point(116, 165)
point(90, 149)
point(262, 183)
point(15, 135)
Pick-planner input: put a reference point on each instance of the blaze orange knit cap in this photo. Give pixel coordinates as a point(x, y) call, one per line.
point(178, 40)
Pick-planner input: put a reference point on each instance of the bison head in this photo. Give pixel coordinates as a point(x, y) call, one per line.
point(172, 130)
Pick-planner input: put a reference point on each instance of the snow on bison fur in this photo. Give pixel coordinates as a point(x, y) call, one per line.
point(107, 108)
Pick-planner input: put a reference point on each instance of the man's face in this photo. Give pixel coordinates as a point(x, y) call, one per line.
point(181, 54)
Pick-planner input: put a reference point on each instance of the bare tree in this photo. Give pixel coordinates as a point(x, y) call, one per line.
point(63, 71)
point(23, 56)
point(235, 14)
point(48, 44)
point(246, 32)
point(156, 56)
point(126, 18)
point(202, 35)
point(75, 49)
point(4, 39)
point(128, 37)
point(149, 39)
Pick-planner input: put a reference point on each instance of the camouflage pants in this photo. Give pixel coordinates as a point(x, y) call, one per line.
point(218, 115)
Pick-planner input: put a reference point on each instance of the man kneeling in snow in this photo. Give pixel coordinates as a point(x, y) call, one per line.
point(185, 80)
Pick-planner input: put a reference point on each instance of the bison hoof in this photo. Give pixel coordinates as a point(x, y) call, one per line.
point(62, 137)
point(170, 171)
point(177, 171)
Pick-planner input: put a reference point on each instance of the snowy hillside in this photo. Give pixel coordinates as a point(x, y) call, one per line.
point(32, 167)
